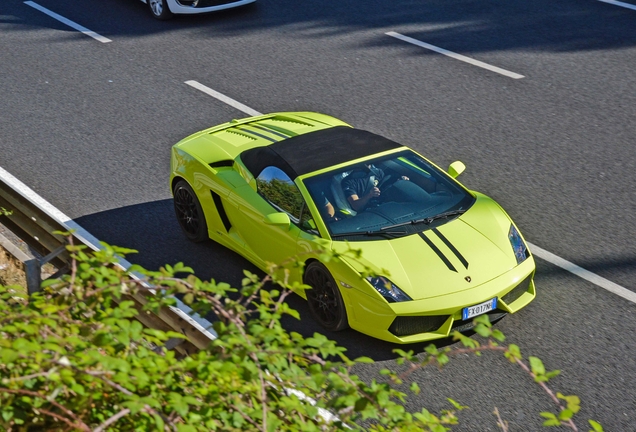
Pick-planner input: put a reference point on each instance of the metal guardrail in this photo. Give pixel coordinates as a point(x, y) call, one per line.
point(34, 221)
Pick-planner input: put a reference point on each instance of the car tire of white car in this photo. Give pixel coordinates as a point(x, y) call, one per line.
point(159, 9)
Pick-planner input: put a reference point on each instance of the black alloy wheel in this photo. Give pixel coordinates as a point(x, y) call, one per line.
point(189, 212)
point(324, 298)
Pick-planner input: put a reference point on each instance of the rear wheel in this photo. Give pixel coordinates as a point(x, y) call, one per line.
point(189, 212)
point(159, 9)
point(324, 298)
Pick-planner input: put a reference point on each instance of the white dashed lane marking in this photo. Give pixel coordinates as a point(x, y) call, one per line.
point(456, 56)
point(225, 99)
point(68, 22)
point(582, 273)
point(621, 4)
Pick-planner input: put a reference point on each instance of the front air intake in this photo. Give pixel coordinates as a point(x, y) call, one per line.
point(410, 325)
point(514, 294)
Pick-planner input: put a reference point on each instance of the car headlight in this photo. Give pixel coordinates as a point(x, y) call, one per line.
point(388, 289)
point(518, 246)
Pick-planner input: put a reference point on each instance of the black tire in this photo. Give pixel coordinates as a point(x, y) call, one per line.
point(189, 212)
point(159, 9)
point(324, 298)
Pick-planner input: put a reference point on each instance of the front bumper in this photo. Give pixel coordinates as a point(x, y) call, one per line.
point(435, 318)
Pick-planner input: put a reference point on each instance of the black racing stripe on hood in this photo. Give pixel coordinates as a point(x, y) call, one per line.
point(451, 247)
point(438, 252)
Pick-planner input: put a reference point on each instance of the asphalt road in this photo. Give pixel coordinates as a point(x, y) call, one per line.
point(89, 125)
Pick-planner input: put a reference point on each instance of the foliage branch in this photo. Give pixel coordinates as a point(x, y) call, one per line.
point(73, 357)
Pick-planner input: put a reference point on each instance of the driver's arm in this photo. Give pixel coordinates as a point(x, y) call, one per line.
point(358, 203)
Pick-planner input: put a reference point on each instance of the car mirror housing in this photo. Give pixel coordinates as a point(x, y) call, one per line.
point(277, 219)
point(456, 168)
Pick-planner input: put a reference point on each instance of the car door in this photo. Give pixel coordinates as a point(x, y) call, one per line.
point(269, 239)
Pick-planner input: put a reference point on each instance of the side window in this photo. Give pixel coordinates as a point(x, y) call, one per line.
point(281, 192)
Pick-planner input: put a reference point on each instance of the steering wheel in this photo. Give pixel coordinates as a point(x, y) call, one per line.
point(384, 181)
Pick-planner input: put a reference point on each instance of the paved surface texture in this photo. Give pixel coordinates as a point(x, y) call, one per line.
point(89, 126)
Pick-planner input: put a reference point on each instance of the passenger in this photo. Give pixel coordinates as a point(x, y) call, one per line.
point(328, 210)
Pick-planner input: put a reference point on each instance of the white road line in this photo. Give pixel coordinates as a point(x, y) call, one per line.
point(225, 99)
point(621, 4)
point(455, 55)
point(582, 273)
point(201, 324)
point(68, 22)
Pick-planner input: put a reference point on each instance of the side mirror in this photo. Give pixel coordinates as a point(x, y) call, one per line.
point(309, 224)
point(277, 219)
point(456, 168)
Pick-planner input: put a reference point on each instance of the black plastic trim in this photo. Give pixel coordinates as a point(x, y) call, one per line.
point(218, 202)
point(222, 163)
point(248, 131)
point(274, 132)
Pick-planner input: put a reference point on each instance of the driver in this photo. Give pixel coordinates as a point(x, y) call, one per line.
point(361, 188)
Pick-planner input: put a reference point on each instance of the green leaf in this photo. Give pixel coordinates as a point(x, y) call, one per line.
point(158, 422)
point(596, 427)
point(457, 405)
point(8, 355)
point(565, 414)
point(513, 353)
point(498, 335)
point(552, 374)
point(552, 420)
point(7, 414)
point(573, 402)
point(188, 298)
point(482, 330)
point(536, 365)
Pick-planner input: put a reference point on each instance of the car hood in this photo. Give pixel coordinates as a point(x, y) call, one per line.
point(453, 257)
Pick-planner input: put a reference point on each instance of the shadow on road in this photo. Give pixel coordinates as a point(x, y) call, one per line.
point(151, 229)
point(470, 26)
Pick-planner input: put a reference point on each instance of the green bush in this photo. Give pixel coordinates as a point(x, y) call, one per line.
point(73, 357)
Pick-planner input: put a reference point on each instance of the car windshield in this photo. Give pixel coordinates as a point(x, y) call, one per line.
point(386, 197)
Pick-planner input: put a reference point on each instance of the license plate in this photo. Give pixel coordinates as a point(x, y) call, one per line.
point(481, 308)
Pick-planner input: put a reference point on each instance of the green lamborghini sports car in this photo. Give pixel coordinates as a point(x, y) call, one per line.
point(433, 253)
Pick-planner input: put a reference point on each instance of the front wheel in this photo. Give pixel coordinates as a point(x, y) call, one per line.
point(159, 9)
point(324, 298)
point(189, 212)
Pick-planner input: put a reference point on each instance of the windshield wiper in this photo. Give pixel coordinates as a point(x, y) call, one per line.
point(427, 220)
point(387, 230)
point(444, 215)
point(411, 222)
point(380, 232)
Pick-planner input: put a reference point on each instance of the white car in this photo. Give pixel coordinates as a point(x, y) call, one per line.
point(164, 9)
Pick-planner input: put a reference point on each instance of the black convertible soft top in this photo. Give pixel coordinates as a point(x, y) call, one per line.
point(313, 151)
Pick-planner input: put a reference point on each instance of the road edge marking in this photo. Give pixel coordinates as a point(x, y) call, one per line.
point(68, 22)
point(456, 56)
